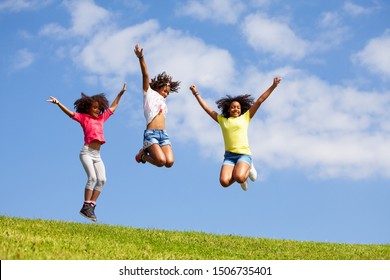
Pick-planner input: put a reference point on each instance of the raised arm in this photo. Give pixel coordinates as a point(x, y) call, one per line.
point(62, 107)
point(145, 76)
point(203, 104)
point(115, 103)
point(253, 109)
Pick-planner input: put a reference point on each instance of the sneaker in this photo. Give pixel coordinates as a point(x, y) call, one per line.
point(88, 211)
point(252, 173)
point(139, 156)
point(244, 186)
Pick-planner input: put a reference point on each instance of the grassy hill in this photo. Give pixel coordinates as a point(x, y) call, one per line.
point(31, 239)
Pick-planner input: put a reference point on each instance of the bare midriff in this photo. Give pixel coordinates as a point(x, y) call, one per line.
point(158, 122)
point(95, 144)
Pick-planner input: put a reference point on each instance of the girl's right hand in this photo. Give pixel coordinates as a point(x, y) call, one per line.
point(53, 100)
point(277, 80)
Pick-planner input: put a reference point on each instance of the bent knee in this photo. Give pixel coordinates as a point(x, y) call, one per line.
point(240, 178)
point(101, 182)
point(160, 162)
point(240, 181)
point(224, 183)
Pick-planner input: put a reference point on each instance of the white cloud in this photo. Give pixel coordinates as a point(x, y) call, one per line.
point(329, 130)
point(54, 30)
point(189, 59)
point(108, 52)
point(355, 10)
point(20, 5)
point(223, 11)
point(23, 59)
point(332, 34)
point(260, 3)
point(375, 55)
point(273, 36)
point(86, 16)
point(330, 20)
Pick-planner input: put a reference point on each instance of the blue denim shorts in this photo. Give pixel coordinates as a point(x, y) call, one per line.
point(233, 158)
point(155, 136)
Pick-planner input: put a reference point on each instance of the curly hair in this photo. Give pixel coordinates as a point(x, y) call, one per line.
point(246, 101)
point(83, 104)
point(164, 79)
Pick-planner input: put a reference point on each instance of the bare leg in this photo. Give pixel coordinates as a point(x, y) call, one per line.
point(170, 159)
point(230, 174)
point(95, 195)
point(87, 194)
point(241, 172)
point(160, 156)
point(226, 175)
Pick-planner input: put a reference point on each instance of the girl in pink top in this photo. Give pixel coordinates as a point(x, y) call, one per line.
point(91, 113)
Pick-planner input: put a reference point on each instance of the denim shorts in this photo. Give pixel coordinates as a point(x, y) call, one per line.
point(233, 158)
point(155, 136)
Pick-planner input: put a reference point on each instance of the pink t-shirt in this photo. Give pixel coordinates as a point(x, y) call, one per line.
point(92, 127)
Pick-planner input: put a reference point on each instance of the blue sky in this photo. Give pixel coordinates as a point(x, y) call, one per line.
point(320, 142)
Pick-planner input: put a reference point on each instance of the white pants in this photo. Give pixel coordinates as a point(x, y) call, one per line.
point(94, 167)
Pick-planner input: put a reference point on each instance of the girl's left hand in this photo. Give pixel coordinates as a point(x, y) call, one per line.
point(193, 89)
point(138, 51)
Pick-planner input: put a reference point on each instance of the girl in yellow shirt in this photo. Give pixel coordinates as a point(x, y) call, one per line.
point(236, 113)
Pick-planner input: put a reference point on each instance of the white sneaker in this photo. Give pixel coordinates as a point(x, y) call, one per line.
point(252, 173)
point(244, 186)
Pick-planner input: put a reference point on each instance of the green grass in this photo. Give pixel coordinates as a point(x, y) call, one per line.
point(32, 239)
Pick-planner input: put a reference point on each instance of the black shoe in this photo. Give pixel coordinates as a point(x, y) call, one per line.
point(88, 211)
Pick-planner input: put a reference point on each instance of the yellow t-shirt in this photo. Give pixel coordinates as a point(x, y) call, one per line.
point(235, 133)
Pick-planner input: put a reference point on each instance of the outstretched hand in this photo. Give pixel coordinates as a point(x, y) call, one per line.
point(61, 106)
point(138, 51)
point(193, 89)
point(53, 100)
point(277, 81)
point(124, 88)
